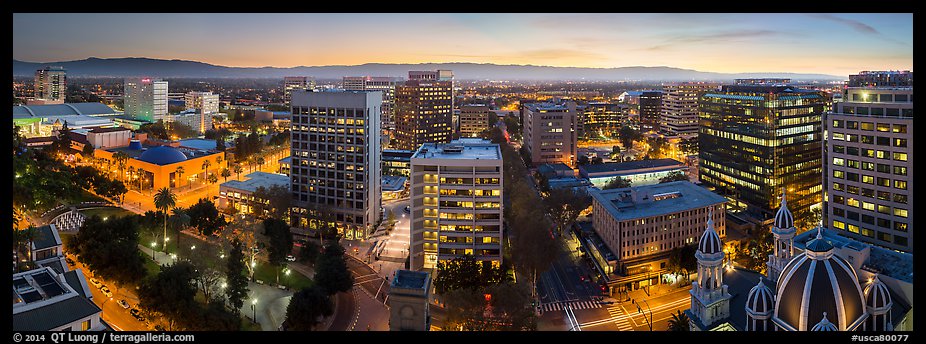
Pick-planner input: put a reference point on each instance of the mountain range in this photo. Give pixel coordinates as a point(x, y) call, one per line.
point(136, 66)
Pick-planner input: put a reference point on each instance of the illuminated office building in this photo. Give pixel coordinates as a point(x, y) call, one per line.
point(50, 85)
point(372, 83)
point(474, 119)
point(335, 166)
point(757, 139)
point(650, 109)
point(680, 107)
point(456, 202)
point(146, 99)
point(206, 102)
point(423, 110)
point(869, 163)
point(296, 83)
point(550, 133)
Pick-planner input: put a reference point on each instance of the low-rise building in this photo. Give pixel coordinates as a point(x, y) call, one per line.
point(394, 187)
point(154, 165)
point(474, 119)
point(641, 225)
point(44, 300)
point(409, 298)
point(240, 194)
point(557, 170)
point(396, 162)
point(639, 172)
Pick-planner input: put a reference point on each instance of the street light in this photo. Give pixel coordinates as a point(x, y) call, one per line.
point(254, 309)
point(193, 247)
point(152, 249)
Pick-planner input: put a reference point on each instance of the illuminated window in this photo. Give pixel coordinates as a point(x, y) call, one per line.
point(900, 212)
point(899, 156)
point(900, 184)
point(853, 228)
point(900, 128)
point(884, 209)
point(885, 127)
point(839, 224)
point(839, 174)
point(839, 161)
point(852, 202)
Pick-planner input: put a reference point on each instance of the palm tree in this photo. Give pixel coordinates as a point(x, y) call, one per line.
point(180, 171)
point(206, 165)
point(121, 158)
point(164, 200)
point(238, 170)
point(678, 322)
point(88, 152)
point(22, 242)
point(226, 173)
point(260, 163)
point(131, 174)
point(212, 179)
point(179, 220)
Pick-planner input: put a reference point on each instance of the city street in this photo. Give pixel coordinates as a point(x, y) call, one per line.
point(113, 314)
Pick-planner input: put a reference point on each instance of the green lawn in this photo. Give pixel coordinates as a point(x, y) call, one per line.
point(86, 196)
point(106, 212)
point(146, 239)
point(295, 281)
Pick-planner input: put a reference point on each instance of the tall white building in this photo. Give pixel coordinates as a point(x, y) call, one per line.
point(550, 132)
point(868, 159)
point(146, 99)
point(206, 102)
point(335, 165)
point(293, 83)
point(679, 111)
point(51, 85)
point(373, 83)
point(456, 202)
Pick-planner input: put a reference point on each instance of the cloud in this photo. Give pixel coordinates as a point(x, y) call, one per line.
point(855, 24)
point(723, 36)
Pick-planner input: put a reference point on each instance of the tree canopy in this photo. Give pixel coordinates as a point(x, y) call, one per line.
point(331, 271)
point(305, 309)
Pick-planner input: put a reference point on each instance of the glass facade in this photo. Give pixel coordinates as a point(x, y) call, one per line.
point(423, 113)
point(756, 140)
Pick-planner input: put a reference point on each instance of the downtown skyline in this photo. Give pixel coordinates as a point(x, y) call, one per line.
point(725, 43)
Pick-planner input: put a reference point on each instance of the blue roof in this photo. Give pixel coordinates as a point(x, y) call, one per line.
point(162, 155)
point(201, 144)
point(629, 165)
point(733, 96)
point(88, 109)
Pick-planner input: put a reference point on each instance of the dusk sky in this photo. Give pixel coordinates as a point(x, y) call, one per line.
point(835, 44)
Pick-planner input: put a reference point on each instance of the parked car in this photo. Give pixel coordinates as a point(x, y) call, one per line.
point(124, 304)
point(141, 319)
point(95, 283)
point(290, 258)
point(408, 209)
point(69, 261)
point(135, 312)
point(158, 327)
point(105, 291)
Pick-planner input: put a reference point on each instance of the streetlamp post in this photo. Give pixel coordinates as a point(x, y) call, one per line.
point(153, 254)
point(254, 309)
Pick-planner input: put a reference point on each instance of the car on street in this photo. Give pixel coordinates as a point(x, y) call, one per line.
point(95, 283)
point(105, 291)
point(158, 327)
point(135, 312)
point(290, 258)
point(69, 261)
point(408, 209)
point(124, 304)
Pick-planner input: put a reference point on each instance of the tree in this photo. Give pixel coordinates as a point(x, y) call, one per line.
point(305, 309)
point(164, 200)
point(617, 183)
point(331, 271)
point(278, 200)
point(564, 206)
point(657, 146)
point(390, 220)
point(179, 172)
point(673, 176)
point(458, 273)
point(236, 288)
point(225, 174)
point(249, 232)
point(110, 248)
point(688, 146)
point(171, 292)
point(212, 179)
point(238, 170)
point(281, 242)
point(582, 160)
point(679, 322)
point(206, 164)
point(309, 252)
point(88, 152)
point(260, 163)
point(117, 188)
point(121, 159)
point(205, 217)
point(615, 152)
point(597, 160)
point(22, 240)
point(627, 136)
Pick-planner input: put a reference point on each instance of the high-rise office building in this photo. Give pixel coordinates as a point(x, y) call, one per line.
point(423, 110)
point(456, 202)
point(372, 83)
point(335, 167)
point(680, 107)
point(474, 119)
point(757, 139)
point(550, 132)
point(869, 162)
point(650, 109)
point(205, 102)
point(891, 78)
point(146, 99)
point(294, 83)
point(600, 119)
point(51, 85)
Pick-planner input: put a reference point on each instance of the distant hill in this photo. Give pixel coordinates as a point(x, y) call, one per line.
point(136, 66)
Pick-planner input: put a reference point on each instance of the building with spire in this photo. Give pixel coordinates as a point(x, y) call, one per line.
point(828, 283)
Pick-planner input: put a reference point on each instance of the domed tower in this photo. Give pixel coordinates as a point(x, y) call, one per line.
point(783, 231)
point(878, 305)
point(710, 300)
point(824, 325)
point(760, 304)
point(815, 282)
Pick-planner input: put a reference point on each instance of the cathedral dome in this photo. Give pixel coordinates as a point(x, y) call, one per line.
point(824, 325)
point(761, 300)
point(817, 282)
point(783, 218)
point(877, 295)
point(710, 243)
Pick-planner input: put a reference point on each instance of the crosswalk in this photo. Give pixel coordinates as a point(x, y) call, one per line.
point(556, 306)
point(620, 321)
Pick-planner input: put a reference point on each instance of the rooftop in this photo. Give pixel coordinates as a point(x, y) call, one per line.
point(47, 238)
point(739, 281)
point(201, 144)
point(393, 183)
point(546, 107)
point(462, 149)
point(258, 179)
point(167, 154)
point(630, 165)
point(895, 264)
point(652, 200)
point(85, 109)
point(410, 279)
point(287, 160)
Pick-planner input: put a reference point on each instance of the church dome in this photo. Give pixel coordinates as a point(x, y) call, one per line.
point(877, 295)
point(824, 325)
point(162, 155)
point(783, 218)
point(760, 300)
point(709, 243)
point(817, 282)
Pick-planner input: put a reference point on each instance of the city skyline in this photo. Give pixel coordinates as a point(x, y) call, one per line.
point(727, 43)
